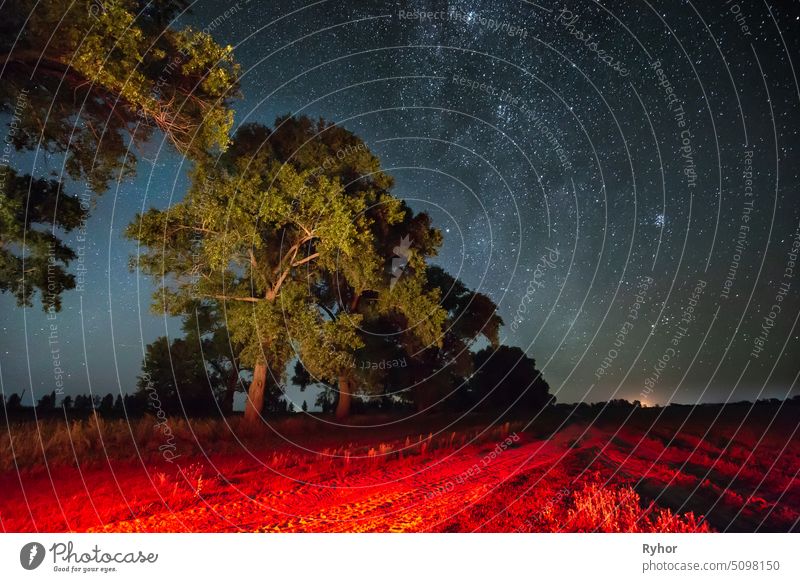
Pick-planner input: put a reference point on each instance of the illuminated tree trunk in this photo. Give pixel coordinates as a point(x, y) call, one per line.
point(255, 395)
point(345, 397)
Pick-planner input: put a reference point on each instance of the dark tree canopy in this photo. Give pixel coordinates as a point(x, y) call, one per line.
point(176, 379)
point(507, 379)
point(438, 374)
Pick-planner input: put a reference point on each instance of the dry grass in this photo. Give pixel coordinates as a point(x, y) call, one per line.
point(297, 475)
point(619, 509)
point(26, 445)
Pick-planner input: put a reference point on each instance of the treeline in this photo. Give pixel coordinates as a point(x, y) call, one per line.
point(81, 405)
point(182, 378)
point(138, 404)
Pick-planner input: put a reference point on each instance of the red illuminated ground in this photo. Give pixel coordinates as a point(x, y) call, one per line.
point(583, 476)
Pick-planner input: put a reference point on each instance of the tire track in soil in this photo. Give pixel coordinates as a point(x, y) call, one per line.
point(387, 497)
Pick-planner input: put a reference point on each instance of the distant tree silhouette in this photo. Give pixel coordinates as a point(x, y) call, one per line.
point(118, 405)
point(134, 404)
point(204, 329)
point(106, 404)
point(327, 396)
point(82, 403)
point(14, 402)
point(394, 359)
point(176, 379)
point(47, 402)
point(440, 373)
point(506, 378)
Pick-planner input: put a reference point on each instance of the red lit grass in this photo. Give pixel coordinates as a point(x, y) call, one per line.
point(584, 477)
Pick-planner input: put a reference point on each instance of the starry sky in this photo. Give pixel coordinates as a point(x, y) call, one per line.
point(620, 177)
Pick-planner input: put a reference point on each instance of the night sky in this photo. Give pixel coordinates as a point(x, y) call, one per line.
point(620, 177)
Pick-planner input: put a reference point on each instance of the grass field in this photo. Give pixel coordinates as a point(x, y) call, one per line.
point(673, 469)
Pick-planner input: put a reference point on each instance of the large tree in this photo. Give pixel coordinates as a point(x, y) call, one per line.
point(92, 81)
point(282, 234)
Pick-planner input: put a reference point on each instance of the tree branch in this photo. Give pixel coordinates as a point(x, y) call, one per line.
point(229, 298)
point(307, 259)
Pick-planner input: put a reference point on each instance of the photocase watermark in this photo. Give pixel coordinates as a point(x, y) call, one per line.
point(546, 262)
point(168, 448)
point(568, 19)
point(453, 14)
point(681, 331)
point(196, 246)
point(97, 8)
point(353, 362)
point(53, 285)
point(450, 484)
point(66, 558)
point(53, 289)
point(8, 142)
point(381, 364)
point(95, 560)
point(531, 115)
point(621, 337)
point(768, 321)
point(81, 237)
point(31, 555)
point(53, 343)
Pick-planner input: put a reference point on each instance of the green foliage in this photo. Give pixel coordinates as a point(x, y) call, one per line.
point(103, 77)
point(32, 212)
point(284, 234)
point(92, 82)
point(175, 378)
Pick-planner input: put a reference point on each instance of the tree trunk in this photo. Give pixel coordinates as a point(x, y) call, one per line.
point(230, 390)
point(255, 395)
point(343, 405)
